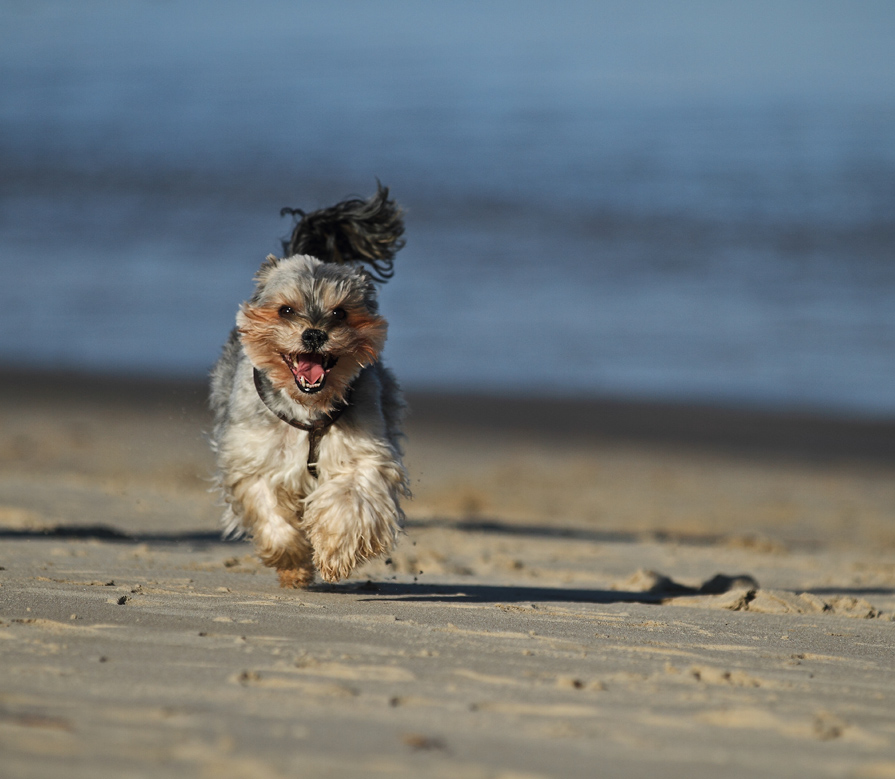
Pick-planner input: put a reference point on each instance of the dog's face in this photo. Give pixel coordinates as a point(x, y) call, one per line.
point(311, 326)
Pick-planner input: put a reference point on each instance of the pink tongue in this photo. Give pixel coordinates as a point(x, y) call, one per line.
point(310, 368)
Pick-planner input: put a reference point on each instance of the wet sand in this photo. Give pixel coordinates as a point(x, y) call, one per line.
point(594, 589)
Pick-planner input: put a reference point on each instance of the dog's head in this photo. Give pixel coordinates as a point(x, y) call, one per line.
point(312, 323)
point(311, 326)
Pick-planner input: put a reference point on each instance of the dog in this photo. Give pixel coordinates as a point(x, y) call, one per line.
point(307, 419)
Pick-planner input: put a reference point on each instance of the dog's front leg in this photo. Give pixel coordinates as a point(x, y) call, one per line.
point(355, 514)
point(279, 544)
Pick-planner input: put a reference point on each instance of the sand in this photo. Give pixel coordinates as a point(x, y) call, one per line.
point(595, 589)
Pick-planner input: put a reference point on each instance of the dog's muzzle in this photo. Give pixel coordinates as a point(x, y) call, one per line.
point(310, 369)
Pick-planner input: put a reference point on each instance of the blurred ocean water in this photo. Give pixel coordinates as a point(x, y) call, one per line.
point(687, 201)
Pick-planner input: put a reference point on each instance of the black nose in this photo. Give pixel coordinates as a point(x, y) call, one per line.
point(313, 338)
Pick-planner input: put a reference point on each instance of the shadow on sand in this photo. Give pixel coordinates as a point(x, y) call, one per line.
point(661, 589)
point(111, 534)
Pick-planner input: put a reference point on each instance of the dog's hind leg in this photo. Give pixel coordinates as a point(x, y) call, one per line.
point(279, 543)
point(296, 578)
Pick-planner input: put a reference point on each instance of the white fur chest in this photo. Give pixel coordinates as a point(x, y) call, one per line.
point(258, 444)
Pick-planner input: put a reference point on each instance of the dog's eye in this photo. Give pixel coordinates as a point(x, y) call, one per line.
point(338, 313)
point(286, 311)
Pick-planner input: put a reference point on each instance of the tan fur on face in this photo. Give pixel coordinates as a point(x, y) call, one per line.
point(261, 331)
point(355, 341)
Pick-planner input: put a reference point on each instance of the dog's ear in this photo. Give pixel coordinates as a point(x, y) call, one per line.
point(270, 262)
point(263, 274)
point(367, 231)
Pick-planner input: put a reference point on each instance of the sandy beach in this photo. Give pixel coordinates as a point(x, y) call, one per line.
point(594, 589)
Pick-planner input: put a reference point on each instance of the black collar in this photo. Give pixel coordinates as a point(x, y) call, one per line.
point(315, 430)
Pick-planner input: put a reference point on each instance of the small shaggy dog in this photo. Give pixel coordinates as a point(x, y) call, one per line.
point(307, 419)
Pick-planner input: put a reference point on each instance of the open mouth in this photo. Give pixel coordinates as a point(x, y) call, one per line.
point(310, 370)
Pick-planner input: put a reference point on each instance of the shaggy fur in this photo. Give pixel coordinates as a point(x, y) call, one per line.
point(311, 337)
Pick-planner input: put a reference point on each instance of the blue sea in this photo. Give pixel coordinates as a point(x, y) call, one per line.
point(687, 201)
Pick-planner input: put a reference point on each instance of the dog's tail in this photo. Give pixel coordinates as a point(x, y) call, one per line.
point(367, 231)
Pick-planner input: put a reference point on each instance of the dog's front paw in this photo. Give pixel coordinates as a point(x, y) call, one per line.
point(337, 556)
point(334, 567)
